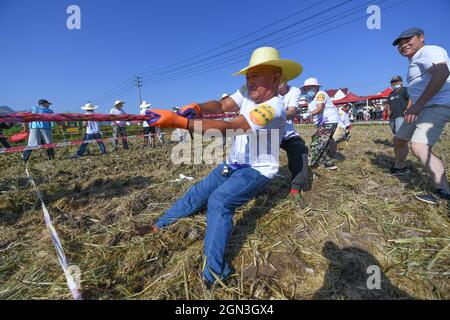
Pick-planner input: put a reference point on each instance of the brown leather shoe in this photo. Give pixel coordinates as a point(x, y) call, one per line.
point(142, 230)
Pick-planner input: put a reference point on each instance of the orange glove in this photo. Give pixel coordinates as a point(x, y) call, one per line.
point(190, 111)
point(167, 119)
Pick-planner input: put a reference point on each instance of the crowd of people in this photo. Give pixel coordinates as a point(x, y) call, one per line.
point(266, 106)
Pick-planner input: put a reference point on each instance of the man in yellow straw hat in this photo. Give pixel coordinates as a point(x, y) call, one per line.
point(244, 174)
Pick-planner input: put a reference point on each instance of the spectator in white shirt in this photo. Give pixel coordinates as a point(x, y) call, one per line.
point(119, 126)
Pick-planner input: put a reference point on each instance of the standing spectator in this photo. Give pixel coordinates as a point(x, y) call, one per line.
point(326, 118)
point(119, 126)
point(359, 114)
point(366, 114)
point(425, 120)
point(3, 140)
point(149, 131)
point(92, 132)
point(40, 131)
point(398, 101)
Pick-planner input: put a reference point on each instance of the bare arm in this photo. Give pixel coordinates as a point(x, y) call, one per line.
point(291, 113)
point(238, 123)
point(319, 109)
point(216, 107)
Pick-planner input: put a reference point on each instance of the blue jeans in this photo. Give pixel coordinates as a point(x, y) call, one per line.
point(92, 136)
point(222, 195)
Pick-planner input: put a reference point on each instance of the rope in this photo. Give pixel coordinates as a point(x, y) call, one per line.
point(68, 270)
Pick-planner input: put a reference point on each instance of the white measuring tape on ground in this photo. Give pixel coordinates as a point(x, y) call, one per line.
point(69, 271)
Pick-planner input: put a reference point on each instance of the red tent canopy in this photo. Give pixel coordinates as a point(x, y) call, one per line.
point(349, 98)
point(382, 95)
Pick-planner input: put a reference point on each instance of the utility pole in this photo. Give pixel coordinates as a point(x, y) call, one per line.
point(139, 85)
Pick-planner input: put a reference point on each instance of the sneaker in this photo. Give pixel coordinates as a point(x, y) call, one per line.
point(397, 171)
point(330, 166)
point(435, 197)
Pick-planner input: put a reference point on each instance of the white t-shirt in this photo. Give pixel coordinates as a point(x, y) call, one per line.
point(291, 99)
point(117, 112)
point(261, 149)
point(418, 76)
point(144, 123)
point(345, 120)
point(92, 126)
point(329, 114)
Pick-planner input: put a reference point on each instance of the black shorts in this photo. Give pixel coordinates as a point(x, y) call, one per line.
point(148, 130)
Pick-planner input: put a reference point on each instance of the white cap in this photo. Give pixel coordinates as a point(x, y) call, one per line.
point(311, 82)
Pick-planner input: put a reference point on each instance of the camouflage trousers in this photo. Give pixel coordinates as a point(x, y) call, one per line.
point(319, 144)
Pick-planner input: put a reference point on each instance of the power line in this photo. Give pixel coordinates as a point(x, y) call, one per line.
point(265, 36)
point(191, 74)
point(311, 27)
point(211, 66)
point(125, 84)
point(235, 40)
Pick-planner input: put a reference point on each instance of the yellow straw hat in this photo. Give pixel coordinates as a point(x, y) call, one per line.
point(271, 57)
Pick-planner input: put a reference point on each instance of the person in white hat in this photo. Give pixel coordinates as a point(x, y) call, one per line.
point(92, 132)
point(262, 117)
point(119, 126)
point(326, 118)
point(149, 131)
point(292, 143)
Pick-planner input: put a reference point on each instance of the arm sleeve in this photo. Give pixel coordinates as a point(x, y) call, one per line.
point(294, 99)
point(321, 97)
point(261, 116)
point(432, 56)
point(238, 96)
point(406, 93)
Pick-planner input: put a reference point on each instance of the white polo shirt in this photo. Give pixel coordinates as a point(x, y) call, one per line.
point(261, 148)
point(329, 115)
point(291, 99)
point(418, 76)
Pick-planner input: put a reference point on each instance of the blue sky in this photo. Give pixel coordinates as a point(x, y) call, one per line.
point(41, 58)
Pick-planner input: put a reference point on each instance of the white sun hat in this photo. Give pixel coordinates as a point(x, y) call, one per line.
point(118, 102)
point(89, 106)
point(311, 82)
point(145, 105)
point(271, 57)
